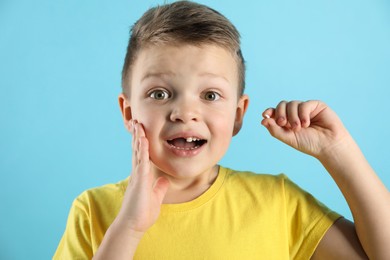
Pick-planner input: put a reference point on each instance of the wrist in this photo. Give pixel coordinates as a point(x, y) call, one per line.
point(345, 147)
point(119, 227)
point(344, 160)
point(119, 242)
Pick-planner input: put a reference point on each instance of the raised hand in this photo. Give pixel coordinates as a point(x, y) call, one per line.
point(141, 203)
point(310, 127)
point(313, 128)
point(144, 194)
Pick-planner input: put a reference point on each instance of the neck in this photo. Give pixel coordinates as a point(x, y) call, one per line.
point(186, 189)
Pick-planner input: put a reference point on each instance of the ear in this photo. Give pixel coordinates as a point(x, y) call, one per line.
point(242, 106)
point(125, 107)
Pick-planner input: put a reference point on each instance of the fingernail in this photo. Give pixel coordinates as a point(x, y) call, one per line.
point(267, 116)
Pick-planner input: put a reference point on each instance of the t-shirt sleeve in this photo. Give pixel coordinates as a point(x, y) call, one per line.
point(307, 220)
point(76, 240)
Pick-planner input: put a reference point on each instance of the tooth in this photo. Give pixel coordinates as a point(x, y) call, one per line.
point(189, 139)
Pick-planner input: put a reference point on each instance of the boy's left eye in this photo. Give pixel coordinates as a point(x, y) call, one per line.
point(211, 96)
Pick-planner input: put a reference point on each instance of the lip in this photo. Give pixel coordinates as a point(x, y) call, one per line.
point(181, 152)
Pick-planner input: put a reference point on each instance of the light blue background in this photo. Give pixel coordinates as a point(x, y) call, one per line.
point(60, 126)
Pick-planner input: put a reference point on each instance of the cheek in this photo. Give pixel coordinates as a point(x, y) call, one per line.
point(149, 125)
point(141, 113)
point(223, 125)
point(150, 120)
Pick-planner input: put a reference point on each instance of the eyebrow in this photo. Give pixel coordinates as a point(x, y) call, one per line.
point(157, 75)
point(212, 75)
point(170, 73)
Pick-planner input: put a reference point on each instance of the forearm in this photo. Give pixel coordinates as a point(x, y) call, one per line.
point(118, 243)
point(366, 195)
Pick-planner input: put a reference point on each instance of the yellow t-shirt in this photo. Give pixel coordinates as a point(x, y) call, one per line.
point(241, 216)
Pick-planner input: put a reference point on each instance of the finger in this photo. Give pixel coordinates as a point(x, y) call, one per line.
point(268, 113)
point(142, 177)
point(314, 108)
point(141, 130)
point(283, 134)
point(134, 123)
point(142, 151)
point(131, 126)
point(160, 188)
point(292, 115)
point(280, 114)
point(134, 149)
point(143, 155)
point(137, 144)
point(304, 111)
point(140, 134)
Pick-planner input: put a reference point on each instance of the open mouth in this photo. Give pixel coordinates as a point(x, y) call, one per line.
point(189, 143)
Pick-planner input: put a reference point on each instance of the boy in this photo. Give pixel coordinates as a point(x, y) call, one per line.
point(183, 99)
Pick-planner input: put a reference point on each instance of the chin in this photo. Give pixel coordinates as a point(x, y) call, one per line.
point(181, 170)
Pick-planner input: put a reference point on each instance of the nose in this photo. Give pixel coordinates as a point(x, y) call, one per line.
point(185, 111)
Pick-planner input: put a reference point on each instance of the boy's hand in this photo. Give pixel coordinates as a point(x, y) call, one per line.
point(144, 195)
point(310, 127)
point(140, 207)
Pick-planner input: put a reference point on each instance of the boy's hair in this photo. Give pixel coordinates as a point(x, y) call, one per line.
point(183, 22)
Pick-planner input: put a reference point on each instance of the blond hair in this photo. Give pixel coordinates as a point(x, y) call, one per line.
point(183, 22)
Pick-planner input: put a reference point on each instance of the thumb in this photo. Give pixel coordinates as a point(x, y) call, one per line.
point(281, 133)
point(160, 188)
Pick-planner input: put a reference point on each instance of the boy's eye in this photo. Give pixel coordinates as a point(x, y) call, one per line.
point(159, 94)
point(211, 96)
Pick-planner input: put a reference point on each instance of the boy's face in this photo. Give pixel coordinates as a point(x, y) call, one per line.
point(186, 97)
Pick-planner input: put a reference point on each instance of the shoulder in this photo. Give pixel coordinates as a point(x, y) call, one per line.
point(91, 214)
point(278, 185)
point(103, 195)
point(256, 179)
point(264, 180)
point(256, 185)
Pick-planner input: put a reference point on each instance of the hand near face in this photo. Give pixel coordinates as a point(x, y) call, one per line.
point(144, 195)
point(310, 127)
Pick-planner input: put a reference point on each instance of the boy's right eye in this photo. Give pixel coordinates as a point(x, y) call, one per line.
point(159, 94)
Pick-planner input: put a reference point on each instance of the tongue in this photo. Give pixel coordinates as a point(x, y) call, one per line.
point(182, 143)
